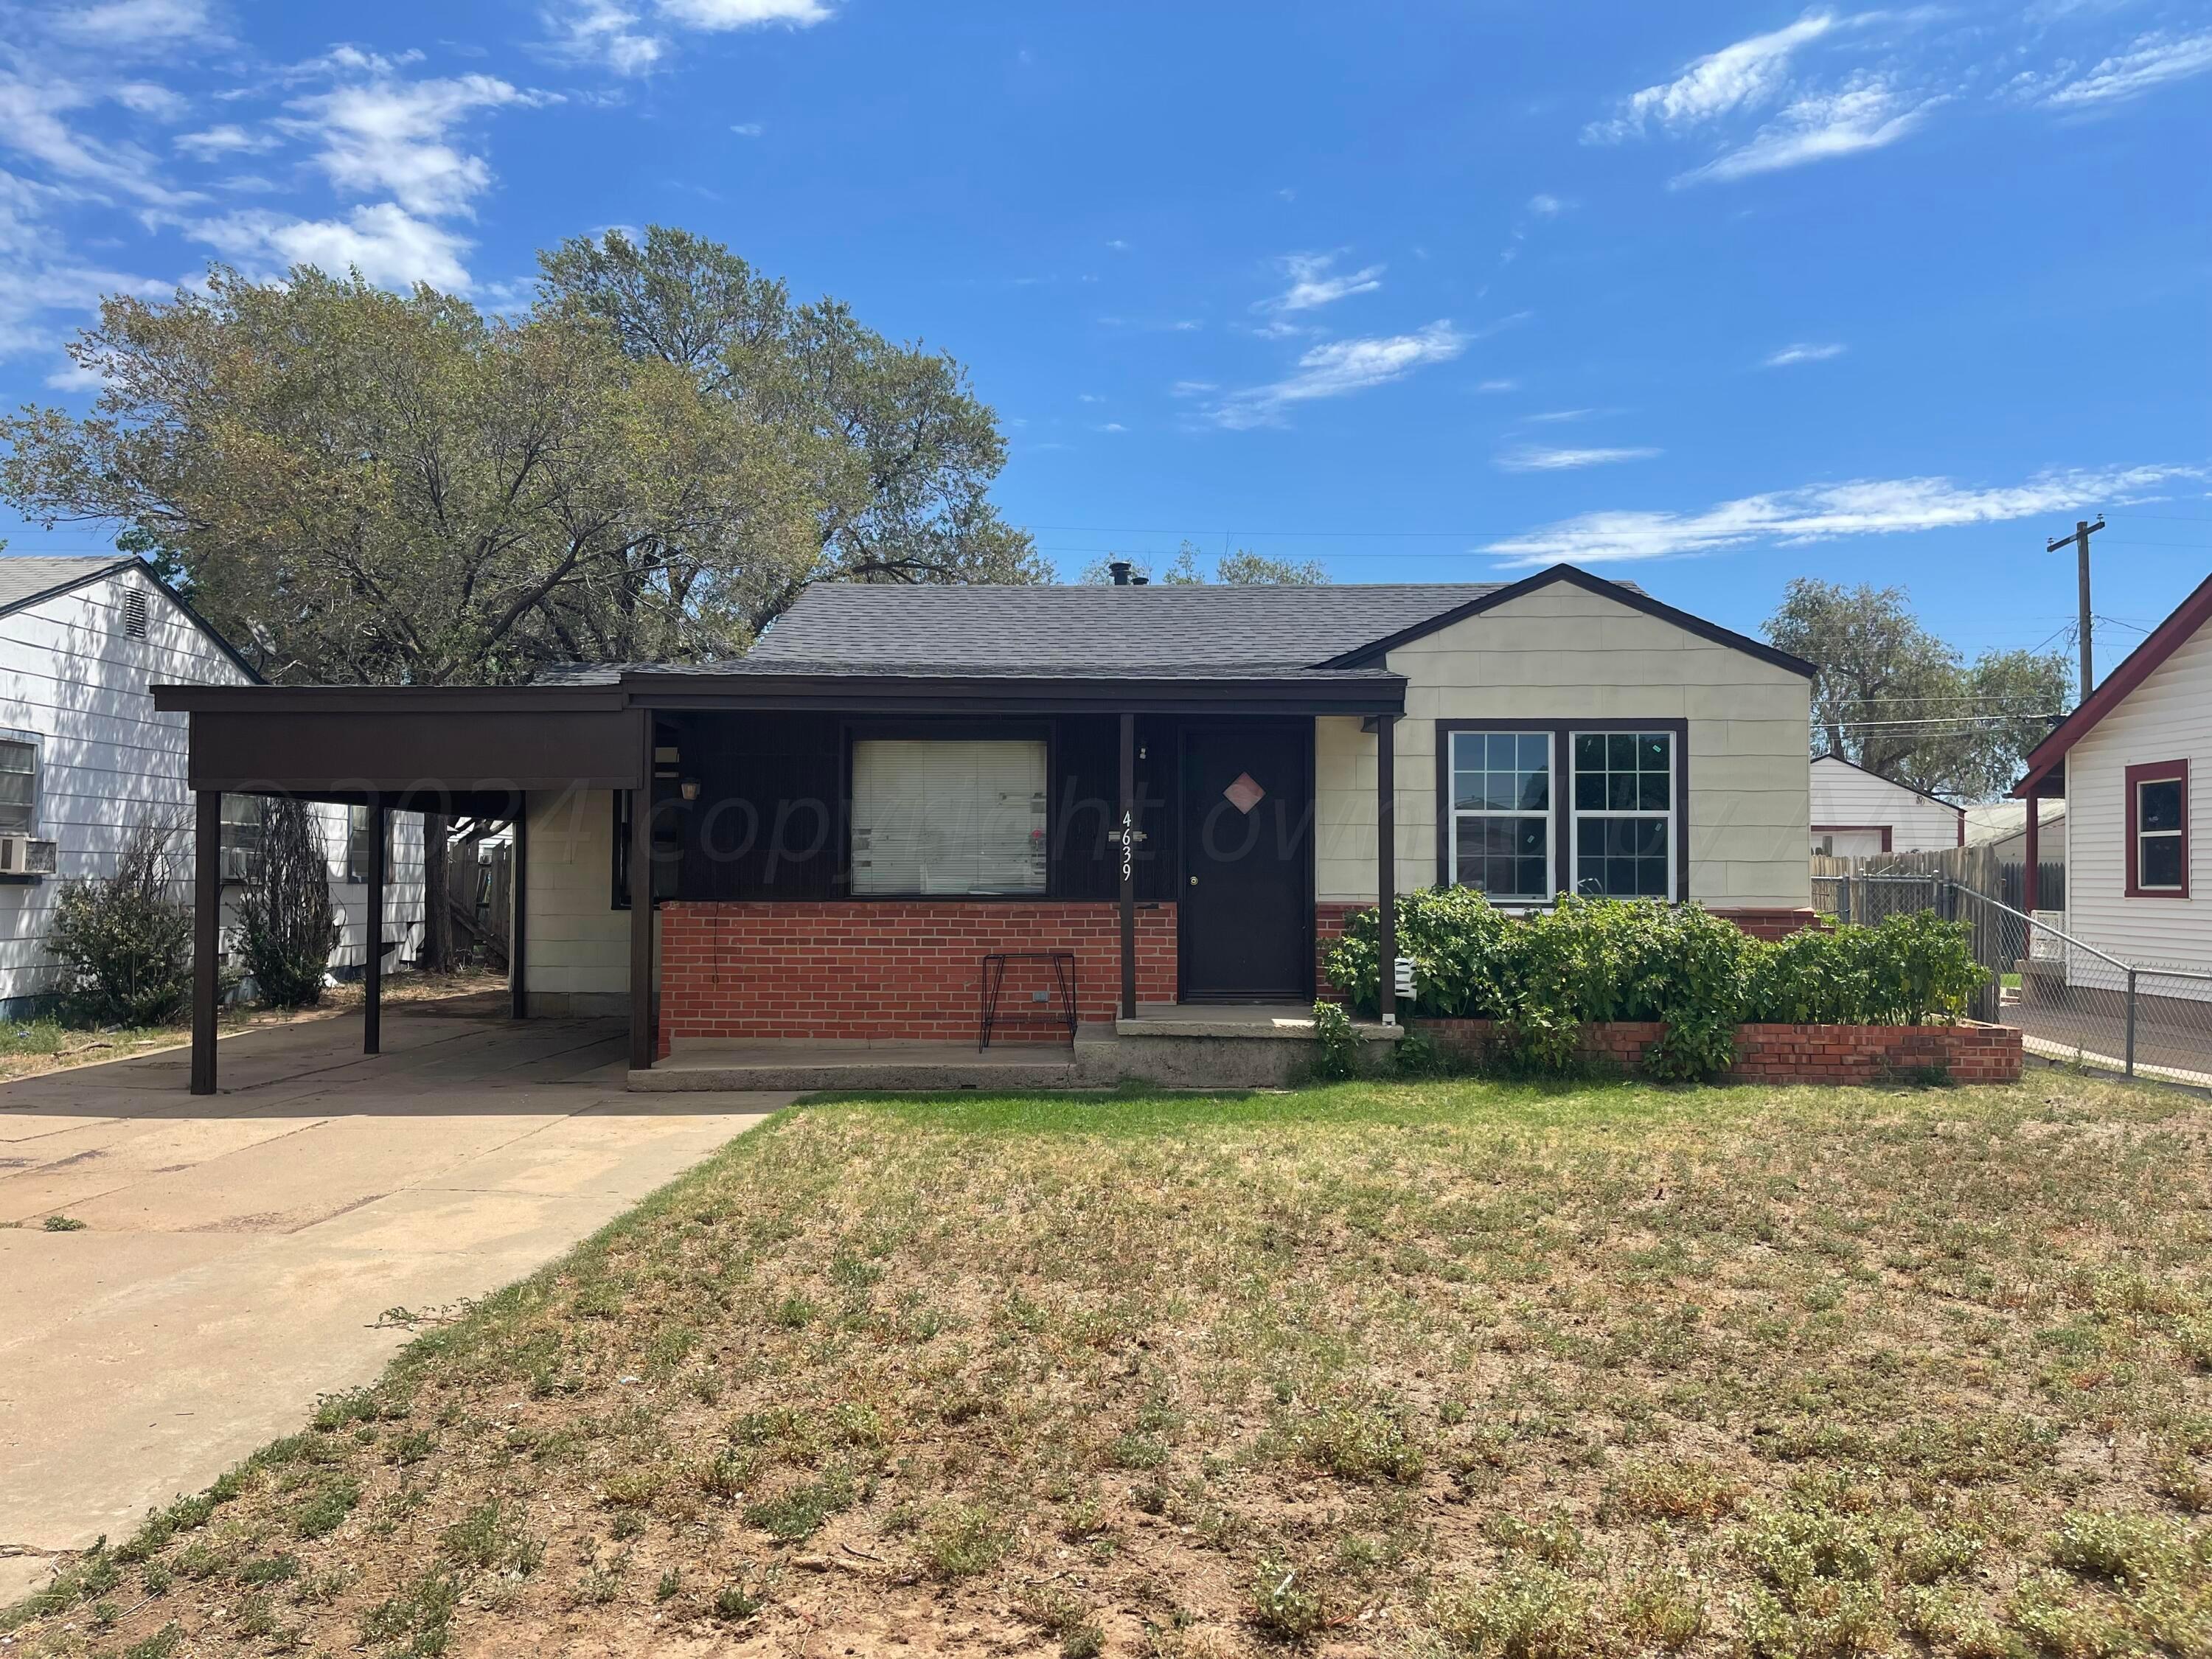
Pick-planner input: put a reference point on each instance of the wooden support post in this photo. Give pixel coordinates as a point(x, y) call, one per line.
point(641, 1035)
point(2031, 878)
point(1386, 859)
point(372, 976)
point(518, 920)
point(1128, 851)
point(207, 933)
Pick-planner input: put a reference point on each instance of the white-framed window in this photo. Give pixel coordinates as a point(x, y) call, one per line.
point(1501, 815)
point(20, 756)
point(949, 816)
point(1625, 814)
point(241, 842)
point(358, 820)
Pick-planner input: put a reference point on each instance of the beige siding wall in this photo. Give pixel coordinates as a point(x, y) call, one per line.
point(2168, 717)
point(577, 945)
point(1564, 653)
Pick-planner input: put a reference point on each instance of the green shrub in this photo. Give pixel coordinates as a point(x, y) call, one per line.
point(1336, 1045)
point(124, 941)
point(287, 925)
point(1586, 960)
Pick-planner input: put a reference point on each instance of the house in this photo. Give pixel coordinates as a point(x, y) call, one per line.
point(1856, 812)
point(1184, 789)
point(85, 757)
point(2133, 763)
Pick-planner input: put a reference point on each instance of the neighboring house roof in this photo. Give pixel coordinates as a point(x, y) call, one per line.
point(779, 668)
point(2163, 640)
point(1161, 628)
point(25, 579)
point(2001, 820)
point(1838, 760)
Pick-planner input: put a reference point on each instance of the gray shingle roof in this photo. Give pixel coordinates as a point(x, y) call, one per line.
point(27, 576)
point(756, 666)
point(1098, 628)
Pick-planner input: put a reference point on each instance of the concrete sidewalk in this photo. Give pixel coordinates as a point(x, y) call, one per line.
point(239, 1251)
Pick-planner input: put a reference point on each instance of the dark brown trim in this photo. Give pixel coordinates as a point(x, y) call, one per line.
point(371, 973)
point(1386, 865)
point(518, 921)
point(1882, 830)
point(2156, 772)
point(2192, 614)
point(1563, 815)
point(1634, 598)
point(641, 1035)
point(1128, 864)
point(207, 924)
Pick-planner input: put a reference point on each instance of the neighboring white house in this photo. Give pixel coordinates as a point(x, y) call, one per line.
point(84, 757)
point(2133, 763)
point(1856, 812)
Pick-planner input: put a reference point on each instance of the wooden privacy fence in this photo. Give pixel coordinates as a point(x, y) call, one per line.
point(479, 880)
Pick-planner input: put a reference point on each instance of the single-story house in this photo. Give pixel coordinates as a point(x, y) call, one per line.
point(2133, 763)
point(1180, 790)
point(85, 757)
point(1856, 812)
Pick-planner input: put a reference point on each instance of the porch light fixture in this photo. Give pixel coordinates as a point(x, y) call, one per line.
point(690, 788)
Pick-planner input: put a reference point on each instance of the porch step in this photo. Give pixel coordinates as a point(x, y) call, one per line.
point(896, 1066)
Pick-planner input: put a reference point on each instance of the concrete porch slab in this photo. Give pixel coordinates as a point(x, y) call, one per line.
point(1292, 1021)
point(783, 1065)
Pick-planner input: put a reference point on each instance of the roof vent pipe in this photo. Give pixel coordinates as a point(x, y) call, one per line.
point(1140, 581)
point(1119, 570)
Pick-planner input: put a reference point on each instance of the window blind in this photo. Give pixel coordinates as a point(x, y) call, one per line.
point(949, 816)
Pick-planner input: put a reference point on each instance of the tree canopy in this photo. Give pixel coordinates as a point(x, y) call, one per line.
point(1895, 699)
point(652, 462)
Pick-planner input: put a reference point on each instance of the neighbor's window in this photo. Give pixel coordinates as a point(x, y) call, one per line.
point(1624, 814)
point(19, 786)
point(358, 821)
point(2158, 830)
point(948, 815)
point(1501, 817)
point(240, 843)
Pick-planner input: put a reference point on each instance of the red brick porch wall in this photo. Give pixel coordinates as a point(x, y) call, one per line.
point(1968, 1052)
point(875, 970)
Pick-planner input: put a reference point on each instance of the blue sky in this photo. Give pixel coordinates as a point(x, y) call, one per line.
point(1705, 296)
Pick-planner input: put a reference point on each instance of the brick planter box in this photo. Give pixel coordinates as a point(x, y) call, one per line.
point(1968, 1052)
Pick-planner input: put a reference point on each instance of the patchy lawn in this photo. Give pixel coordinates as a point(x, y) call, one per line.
point(1435, 1368)
point(33, 1048)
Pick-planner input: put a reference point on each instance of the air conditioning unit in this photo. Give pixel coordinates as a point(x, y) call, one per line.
point(23, 855)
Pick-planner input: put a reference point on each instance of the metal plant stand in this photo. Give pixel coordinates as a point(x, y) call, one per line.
point(1061, 964)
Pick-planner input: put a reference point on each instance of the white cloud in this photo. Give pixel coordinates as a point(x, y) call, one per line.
point(1546, 206)
point(31, 124)
point(76, 377)
point(148, 98)
point(226, 139)
point(1111, 426)
point(127, 23)
point(388, 134)
point(1559, 415)
point(1803, 352)
point(1498, 386)
point(385, 243)
point(1750, 73)
point(1866, 113)
point(723, 15)
point(1340, 368)
point(1192, 388)
point(2154, 60)
point(1874, 506)
point(1312, 285)
point(748, 128)
point(1531, 458)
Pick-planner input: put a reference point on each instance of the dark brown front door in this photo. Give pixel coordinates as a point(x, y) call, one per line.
point(1246, 924)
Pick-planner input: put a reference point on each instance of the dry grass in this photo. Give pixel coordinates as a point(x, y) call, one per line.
point(1446, 1368)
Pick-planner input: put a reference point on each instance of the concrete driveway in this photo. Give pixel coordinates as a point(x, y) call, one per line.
point(239, 1251)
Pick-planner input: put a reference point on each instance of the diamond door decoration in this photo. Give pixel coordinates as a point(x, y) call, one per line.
point(1244, 794)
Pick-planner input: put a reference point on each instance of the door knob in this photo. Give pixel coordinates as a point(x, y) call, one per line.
point(1194, 881)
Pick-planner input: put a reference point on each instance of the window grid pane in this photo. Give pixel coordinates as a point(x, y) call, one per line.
point(1624, 797)
point(2158, 861)
point(1501, 792)
point(19, 788)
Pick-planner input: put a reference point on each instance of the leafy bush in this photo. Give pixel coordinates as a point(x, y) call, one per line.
point(125, 942)
point(1588, 960)
point(1336, 1048)
point(287, 925)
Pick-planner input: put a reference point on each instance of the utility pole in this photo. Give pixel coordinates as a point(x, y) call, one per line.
point(2082, 530)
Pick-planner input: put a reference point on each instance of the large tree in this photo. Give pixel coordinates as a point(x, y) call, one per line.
point(1894, 698)
point(897, 453)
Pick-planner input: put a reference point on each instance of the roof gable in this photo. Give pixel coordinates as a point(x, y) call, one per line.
point(1838, 760)
point(29, 579)
point(1623, 592)
point(2162, 641)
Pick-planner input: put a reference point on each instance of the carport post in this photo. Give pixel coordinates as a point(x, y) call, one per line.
point(1386, 861)
point(641, 903)
point(207, 921)
point(518, 892)
point(372, 977)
